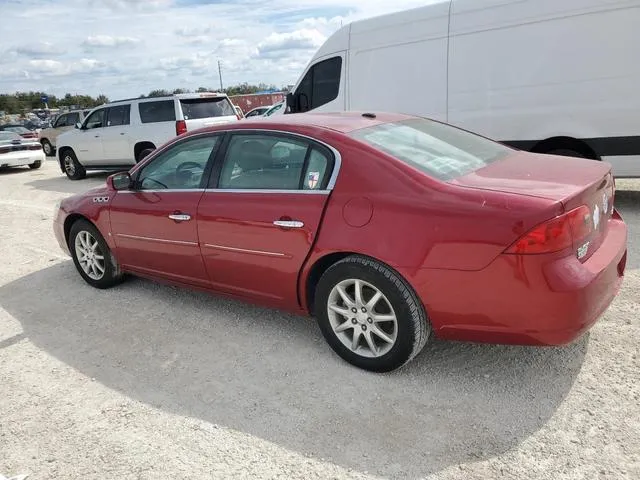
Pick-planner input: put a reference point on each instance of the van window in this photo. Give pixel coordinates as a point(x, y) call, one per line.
point(441, 151)
point(159, 111)
point(195, 108)
point(320, 85)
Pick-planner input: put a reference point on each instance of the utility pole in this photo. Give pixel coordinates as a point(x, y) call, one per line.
point(220, 73)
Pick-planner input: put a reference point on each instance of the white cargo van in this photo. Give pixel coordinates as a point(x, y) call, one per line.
point(552, 76)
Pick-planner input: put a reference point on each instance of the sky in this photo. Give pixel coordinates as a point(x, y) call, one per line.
point(123, 48)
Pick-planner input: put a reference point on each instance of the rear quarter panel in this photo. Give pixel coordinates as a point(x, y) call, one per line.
point(386, 210)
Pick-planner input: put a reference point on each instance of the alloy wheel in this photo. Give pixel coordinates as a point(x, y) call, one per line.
point(90, 256)
point(362, 318)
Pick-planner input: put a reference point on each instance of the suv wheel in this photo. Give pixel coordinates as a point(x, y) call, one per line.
point(72, 167)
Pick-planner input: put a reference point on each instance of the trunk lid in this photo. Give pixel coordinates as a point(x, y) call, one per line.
point(574, 182)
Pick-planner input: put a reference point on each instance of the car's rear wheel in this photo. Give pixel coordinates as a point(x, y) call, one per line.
point(92, 257)
point(47, 147)
point(369, 315)
point(72, 167)
point(35, 165)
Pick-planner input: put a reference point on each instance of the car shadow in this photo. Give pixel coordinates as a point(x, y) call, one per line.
point(62, 184)
point(271, 375)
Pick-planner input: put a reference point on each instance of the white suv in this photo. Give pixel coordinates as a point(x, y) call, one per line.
point(118, 134)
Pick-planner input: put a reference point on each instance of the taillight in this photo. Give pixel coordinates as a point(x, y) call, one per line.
point(35, 147)
point(568, 230)
point(181, 127)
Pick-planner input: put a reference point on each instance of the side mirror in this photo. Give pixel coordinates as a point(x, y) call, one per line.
point(291, 107)
point(120, 181)
point(78, 125)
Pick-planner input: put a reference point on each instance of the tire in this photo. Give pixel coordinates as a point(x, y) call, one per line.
point(565, 152)
point(405, 336)
point(72, 167)
point(106, 272)
point(49, 151)
point(35, 165)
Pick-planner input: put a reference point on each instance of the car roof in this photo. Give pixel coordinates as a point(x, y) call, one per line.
point(343, 122)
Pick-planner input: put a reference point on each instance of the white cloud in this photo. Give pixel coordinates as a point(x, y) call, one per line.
point(305, 39)
point(108, 41)
point(167, 43)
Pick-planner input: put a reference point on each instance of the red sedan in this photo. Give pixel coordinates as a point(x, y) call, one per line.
point(389, 229)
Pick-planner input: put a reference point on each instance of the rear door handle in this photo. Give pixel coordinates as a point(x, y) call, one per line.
point(288, 223)
point(180, 217)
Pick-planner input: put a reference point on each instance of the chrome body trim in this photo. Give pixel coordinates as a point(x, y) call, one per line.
point(244, 250)
point(157, 240)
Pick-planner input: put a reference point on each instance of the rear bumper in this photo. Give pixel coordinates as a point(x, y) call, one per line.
point(19, 159)
point(526, 299)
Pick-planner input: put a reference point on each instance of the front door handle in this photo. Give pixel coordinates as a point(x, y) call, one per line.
point(180, 217)
point(288, 223)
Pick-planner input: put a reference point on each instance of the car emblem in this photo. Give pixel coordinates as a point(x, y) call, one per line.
point(596, 217)
point(312, 179)
point(100, 199)
point(582, 251)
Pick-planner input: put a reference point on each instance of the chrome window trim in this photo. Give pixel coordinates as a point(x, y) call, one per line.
point(266, 190)
point(158, 240)
point(337, 157)
point(244, 250)
point(168, 190)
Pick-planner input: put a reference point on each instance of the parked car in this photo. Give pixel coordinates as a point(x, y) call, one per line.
point(63, 123)
point(16, 151)
point(113, 136)
point(390, 229)
point(19, 129)
point(257, 112)
point(530, 74)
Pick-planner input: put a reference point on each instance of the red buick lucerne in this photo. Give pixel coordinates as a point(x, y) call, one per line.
point(390, 229)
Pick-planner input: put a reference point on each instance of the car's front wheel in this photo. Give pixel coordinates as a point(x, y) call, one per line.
point(92, 257)
point(72, 167)
point(370, 315)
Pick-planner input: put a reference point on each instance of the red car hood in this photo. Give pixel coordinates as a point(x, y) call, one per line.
point(536, 175)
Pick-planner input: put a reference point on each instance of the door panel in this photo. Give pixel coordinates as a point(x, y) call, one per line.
point(116, 140)
point(245, 253)
point(89, 143)
point(149, 241)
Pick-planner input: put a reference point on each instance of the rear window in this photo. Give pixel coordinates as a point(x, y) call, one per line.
point(439, 150)
point(195, 108)
point(160, 111)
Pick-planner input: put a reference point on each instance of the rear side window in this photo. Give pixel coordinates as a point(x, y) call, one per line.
point(195, 108)
point(73, 118)
point(160, 111)
point(118, 115)
point(439, 150)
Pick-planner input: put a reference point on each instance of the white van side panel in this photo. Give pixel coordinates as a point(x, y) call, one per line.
point(398, 63)
point(531, 70)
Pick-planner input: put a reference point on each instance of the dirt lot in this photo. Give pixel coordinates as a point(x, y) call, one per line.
point(152, 382)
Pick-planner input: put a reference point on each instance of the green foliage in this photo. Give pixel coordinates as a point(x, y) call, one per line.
point(21, 102)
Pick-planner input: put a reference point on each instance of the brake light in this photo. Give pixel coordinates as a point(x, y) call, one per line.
point(181, 127)
point(35, 147)
point(568, 230)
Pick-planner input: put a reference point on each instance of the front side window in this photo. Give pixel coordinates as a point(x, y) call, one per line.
point(273, 162)
point(119, 115)
point(441, 151)
point(181, 167)
point(320, 85)
point(95, 120)
point(72, 119)
point(158, 111)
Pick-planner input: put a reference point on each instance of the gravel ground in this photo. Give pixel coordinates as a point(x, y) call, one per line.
point(148, 381)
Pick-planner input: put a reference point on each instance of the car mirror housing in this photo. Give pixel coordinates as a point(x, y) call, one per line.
point(120, 181)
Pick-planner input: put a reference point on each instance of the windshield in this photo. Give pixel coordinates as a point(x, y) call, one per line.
point(196, 108)
point(441, 151)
